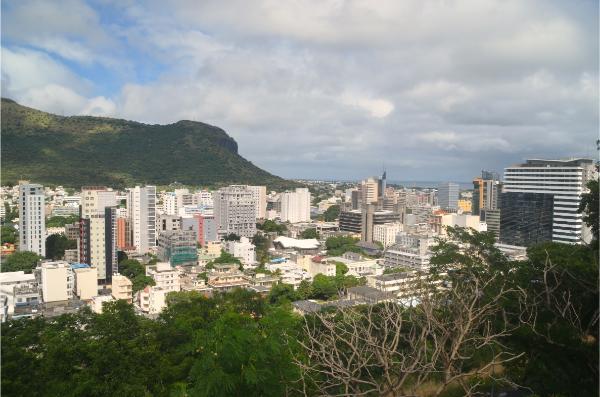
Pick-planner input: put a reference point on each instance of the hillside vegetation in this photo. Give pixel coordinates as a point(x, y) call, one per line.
point(83, 150)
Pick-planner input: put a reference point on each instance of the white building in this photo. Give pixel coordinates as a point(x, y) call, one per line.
point(235, 211)
point(244, 250)
point(86, 282)
point(295, 206)
point(98, 302)
point(55, 280)
point(98, 238)
point(10, 280)
point(386, 233)
point(32, 219)
point(152, 300)
point(165, 276)
point(141, 206)
point(564, 181)
point(259, 193)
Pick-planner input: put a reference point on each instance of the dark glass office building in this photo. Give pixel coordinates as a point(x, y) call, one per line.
point(526, 218)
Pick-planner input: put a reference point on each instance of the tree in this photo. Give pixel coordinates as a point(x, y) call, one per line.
point(224, 258)
point(21, 260)
point(324, 287)
point(331, 213)
point(9, 234)
point(56, 244)
point(262, 245)
point(232, 237)
point(60, 221)
point(131, 268)
point(590, 208)
point(270, 226)
point(281, 293)
point(338, 245)
point(11, 213)
point(309, 233)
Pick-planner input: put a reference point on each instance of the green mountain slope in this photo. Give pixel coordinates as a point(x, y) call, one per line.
point(82, 150)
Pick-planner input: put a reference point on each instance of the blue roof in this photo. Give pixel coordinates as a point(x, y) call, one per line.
point(79, 266)
point(278, 260)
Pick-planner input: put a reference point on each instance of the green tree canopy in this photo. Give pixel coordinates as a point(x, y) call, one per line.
point(21, 260)
point(56, 244)
point(309, 233)
point(9, 234)
point(331, 213)
point(270, 226)
point(60, 221)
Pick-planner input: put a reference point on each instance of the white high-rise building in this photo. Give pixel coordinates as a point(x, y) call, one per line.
point(560, 181)
point(98, 232)
point(32, 219)
point(141, 207)
point(235, 211)
point(295, 206)
point(259, 193)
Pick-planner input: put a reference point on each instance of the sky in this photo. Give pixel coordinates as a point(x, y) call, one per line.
point(325, 89)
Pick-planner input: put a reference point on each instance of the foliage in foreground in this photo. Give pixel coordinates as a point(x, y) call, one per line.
point(242, 344)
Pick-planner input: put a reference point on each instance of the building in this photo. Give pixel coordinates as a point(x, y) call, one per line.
point(165, 276)
point(122, 288)
point(206, 228)
point(10, 281)
point(305, 246)
point(141, 208)
point(32, 218)
point(235, 211)
point(295, 206)
point(167, 222)
point(369, 191)
point(86, 281)
point(465, 205)
point(178, 247)
point(98, 301)
point(226, 277)
point(386, 233)
point(492, 220)
point(486, 192)
point(55, 280)
point(259, 193)
point(98, 230)
point(152, 299)
point(244, 250)
point(540, 200)
point(440, 222)
point(352, 221)
point(448, 195)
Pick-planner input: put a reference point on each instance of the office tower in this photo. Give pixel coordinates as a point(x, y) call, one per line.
point(382, 186)
point(123, 234)
point(178, 247)
point(369, 191)
point(448, 195)
point(295, 206)
point(98, 230)
point(540, 199)
point(204, 226)
point(32, 219)
point(259, 193)
point(235, 211)
point(352, 221)
point(486, 192)
point(355, 199)
point(141, 208)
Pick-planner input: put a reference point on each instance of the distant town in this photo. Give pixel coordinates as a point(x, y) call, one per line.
point(64, 249)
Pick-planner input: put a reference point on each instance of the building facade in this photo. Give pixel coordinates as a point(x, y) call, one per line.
point(141, 208)
point(235, 211)
point(178, 247)
point(32, 219)
point(448, 195)
point(295, 206)
point(544, 195)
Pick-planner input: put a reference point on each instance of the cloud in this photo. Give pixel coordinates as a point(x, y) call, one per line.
point(435, 90)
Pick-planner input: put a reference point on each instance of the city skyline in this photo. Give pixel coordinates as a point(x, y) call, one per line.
point(325, 90)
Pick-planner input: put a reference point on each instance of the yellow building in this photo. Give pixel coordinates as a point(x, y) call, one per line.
point(122, 288)
point(465, 205)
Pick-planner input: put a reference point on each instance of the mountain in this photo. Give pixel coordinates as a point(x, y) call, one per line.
point(82, 150)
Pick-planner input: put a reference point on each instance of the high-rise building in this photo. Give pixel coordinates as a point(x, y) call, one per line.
point(369, 191)
point(260, 196)
point(448, 195)
point(235, 211)
point(486, 192)
point(295, 206)
point(32, 219)
point(540, 199)
point(141, 208)
point(98, 230)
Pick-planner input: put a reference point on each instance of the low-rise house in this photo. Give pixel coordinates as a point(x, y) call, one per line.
point(165, 276)
point(152, 300)
point(225, 277)
point(98, 301)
